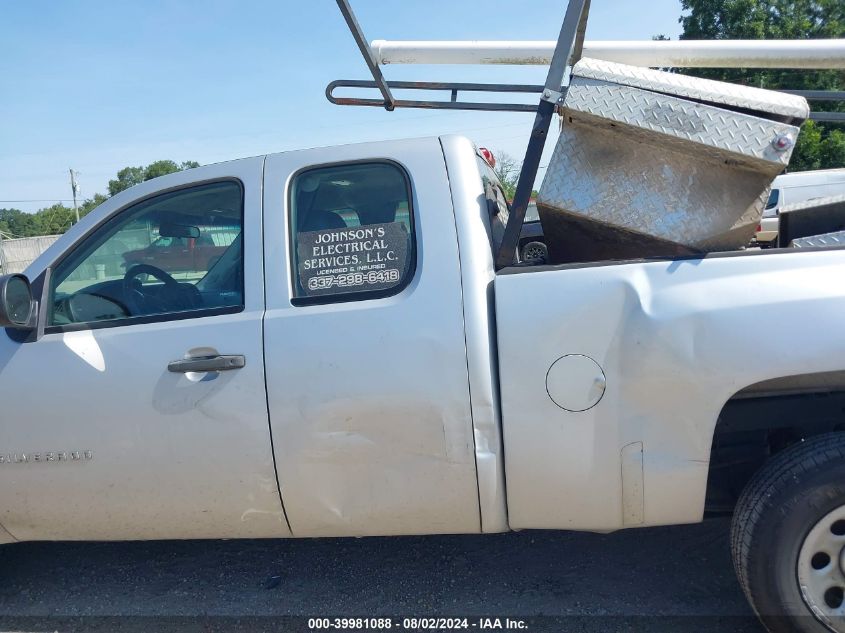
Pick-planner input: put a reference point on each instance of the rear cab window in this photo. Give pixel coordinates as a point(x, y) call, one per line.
point(352, 232)
point(497, 204)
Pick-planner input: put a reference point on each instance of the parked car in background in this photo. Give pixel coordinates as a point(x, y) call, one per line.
point(532, 244)
point(797, 187)
point(179, 254)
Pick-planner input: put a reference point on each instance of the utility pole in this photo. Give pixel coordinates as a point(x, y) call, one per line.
point(75, 187)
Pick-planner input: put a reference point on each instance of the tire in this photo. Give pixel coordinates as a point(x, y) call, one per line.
point(535, 252)
point(791, 510)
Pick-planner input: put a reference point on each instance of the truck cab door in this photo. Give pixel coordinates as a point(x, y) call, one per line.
point(364, 343)
point(141, 412)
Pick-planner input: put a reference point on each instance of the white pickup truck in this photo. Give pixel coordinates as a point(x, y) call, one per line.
point(350, 364)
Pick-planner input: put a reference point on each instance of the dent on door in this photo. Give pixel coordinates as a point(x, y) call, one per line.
point(369, 401)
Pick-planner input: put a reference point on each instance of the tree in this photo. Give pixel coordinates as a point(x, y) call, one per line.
point(160, 168)
point(820, 145)
point(818, 150)
point(16, 223)
point(59, 218)
point(131, 176)
point(833, 149)
point(126, 177)
point(91, 203)
point(54, 220)
point(507, 171)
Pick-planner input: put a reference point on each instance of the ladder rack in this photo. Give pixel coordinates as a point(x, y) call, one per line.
point(558, 55)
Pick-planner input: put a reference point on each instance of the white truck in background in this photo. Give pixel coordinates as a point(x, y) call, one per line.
point(792, 188)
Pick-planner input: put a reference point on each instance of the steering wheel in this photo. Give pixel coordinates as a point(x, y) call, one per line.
point(175, 297)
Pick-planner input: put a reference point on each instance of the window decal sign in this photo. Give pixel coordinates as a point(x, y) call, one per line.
point(354, 259)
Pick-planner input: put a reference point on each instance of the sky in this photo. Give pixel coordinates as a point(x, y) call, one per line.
point(98, 85)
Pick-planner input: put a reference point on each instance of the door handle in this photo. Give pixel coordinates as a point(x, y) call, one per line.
point(222, 362)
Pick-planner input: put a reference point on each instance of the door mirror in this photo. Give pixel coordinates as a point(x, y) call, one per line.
point(17, 309)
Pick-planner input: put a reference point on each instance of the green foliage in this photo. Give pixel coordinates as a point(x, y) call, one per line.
point(507, 171)
point(50, 221)
point(126, 177)
point(14, 223)
point(91, 203)
point(131, 176)
point(833, 149)
point(160, 168)
point(762, 19)
point(55, 220)
point(807, 153)
point(818, 149)
point(59, 218)
point(820, 145)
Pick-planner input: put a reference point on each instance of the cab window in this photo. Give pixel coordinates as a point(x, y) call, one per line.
point(178, 253)
point(498, 210)
point(772, 202)
point(351, 232)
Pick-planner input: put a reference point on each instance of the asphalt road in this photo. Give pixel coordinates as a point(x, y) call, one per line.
point(669, 579)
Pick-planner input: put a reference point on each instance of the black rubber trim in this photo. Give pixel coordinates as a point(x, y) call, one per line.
point(519, 270)
point(148, 318)
point(361, 295)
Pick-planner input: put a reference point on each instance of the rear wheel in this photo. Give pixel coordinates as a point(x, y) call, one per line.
point(788, 538)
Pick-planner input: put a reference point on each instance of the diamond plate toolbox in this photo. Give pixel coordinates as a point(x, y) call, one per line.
point(836, 239)
point(654, 164)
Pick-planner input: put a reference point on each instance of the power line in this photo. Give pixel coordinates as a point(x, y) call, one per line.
point(45, 200)
point(347, 125)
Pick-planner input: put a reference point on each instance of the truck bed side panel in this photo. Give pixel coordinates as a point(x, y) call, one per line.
point(675, 340)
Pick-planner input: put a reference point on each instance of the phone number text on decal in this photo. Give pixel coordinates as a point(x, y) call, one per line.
point(345, 280)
